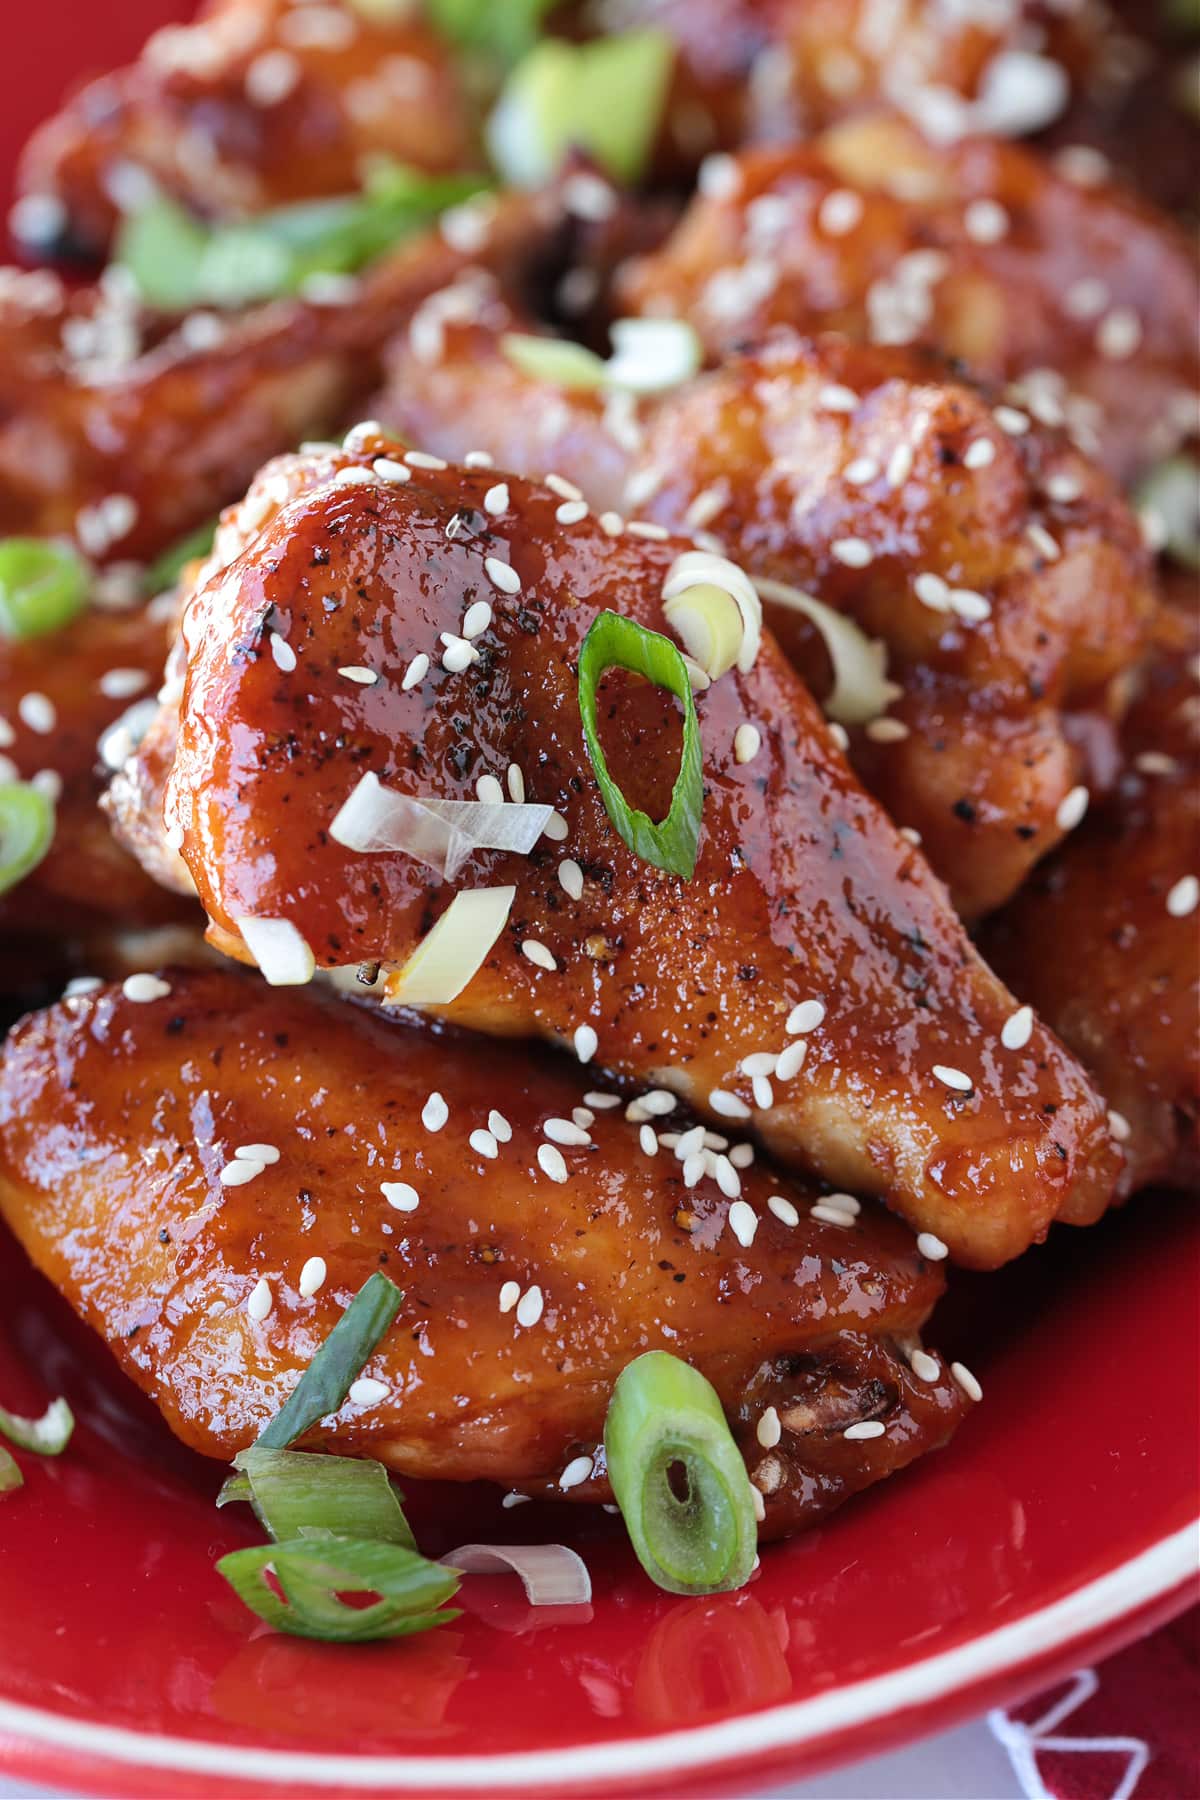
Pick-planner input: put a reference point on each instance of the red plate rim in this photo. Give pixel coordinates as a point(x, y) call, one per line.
point(1019, 1656)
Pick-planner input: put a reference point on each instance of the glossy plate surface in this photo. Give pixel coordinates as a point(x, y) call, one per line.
point(1061, 1522)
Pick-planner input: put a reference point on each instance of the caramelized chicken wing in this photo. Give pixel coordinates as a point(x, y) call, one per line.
point(117, 1118)
point(257, 103)
point(1104, 941)
point(318, 656)
point(1081, 298)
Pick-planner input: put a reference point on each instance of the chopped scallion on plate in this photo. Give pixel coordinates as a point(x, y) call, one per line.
point(604, 97)
point(26, 832)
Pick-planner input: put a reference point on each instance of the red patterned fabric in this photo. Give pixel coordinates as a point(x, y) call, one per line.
point(1129, 1730)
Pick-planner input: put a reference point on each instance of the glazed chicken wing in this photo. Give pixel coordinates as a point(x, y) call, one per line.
point(257, 103)
point(1080, 298)
point(393, 1148)
point(319, 656)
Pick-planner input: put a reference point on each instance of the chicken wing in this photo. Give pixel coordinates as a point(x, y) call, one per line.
point(316, 657)
point(256, 103)
point(1081, 298)
point(117, 1117)
point(1103, 940)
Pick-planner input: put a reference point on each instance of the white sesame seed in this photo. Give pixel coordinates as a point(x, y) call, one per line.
point(420, 459)
point(689, 1143)
point(565, 1131)
point(435, 1112)
point(577, 1470)
point(583, 1115)
point(931, 1247)
point(529, 1306)
point(791, 1060)
point(1184, 897)
point(1011, 420)
point(458, 654)
point(388, 469)
point(555, 828)
point(516, 783)
point(760, 1508)
point(476, 619)
point(861, 470)
point(37, 712)
point(979, 453)
point(805, 1017)
point(1043, 542)
point(953, 1078)
point(241, 1170)
point(829, 1214)
point(854, 552)
point(694, 1169)
point(312, 1277)
point(355, 672)
point(835, 398)
point(1119, 1126)
point(727, 1177)
point(499, 1127)
point(483, 1143)
point(643, 528)
point(1017, 1029)
point(900, 464)
point(966, 1381)
point(727, 1104)
point(866, 1428)
point(1083, 164)
point(747, 742)
point(839, 212)
point(966, 604)
point(887, 731)
point(931, 590)
point(400, 1195)
point(514, 1499)
point(263, 1153)
point(510, 1293)
point(762, 1062)
point(261, 1300)
point(570, 878)
point(612, 524)
point(538, 954)
point(783, 1210)
point(648, 1139)
point(985, 221)
point(601, 1102)
point(496, 500)
point(122, 684)
point(586, 1043)
point(742, 1155)
point(502, 575)
point(743, 1222)
point(571, 512)
point(416, 671)
point(658, 1102)
point(145, 987)
point(488, 789)
point(1155, 762)
point(366, 1391)
point(1119, 333)
point(1071, 809)
point(924, 1366)
point(768, 1431)
point(551, 1162)
point(910, 834)
point(80, 985)
point(1063, 487)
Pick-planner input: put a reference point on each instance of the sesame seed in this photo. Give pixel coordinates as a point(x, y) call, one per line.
point(601, 1102)
point(1119, 333)
point(499, 1127)
point(241, 1170)
point(791, 1060)
point(658, 1102)
point(566, 490)
point(1043, 542)
point(931, 1247)
point(719, 177)
point(502, 575)
point(416, 671)
point(79, 985)
point(887, 731)
point(483, 1143)
point(388, 469)
point(571, 512)
point(647, 1139)
point(768, 1431)
point(435, 1112)
point(743, 1222)
point(969, 606)
point(783, 1210)
point(366, 1391)
point(900, 464)
point(953, 1078)
point(122, 684)
point(529, 1306)
point(261, 1300)
point(839, 212)
point(689, 1143)
point(537, 953)
point(458, 654)
point(694, 1169)
point(583, 1115)
point(924, 1366)
point(1017, 1029)
point(354, 672)
point(420, 459)
point(612, 524)
point(1071, 809)
point(496, 500)
point(805, 1017)
point(747, 742)
point(831, 1215)
point(489, 791)
point(728, 1105)
point(762, 1062)
point(932, 591)
point(642, 528)
point(586, 1043)
point(511, 1500)
point(354, 477)
point(866, 1428)
point(565, 1131)
point(516, 783)
point(476, 619)
point(1063, 488)
point(570, 878)
point(510, 1293)
point(861, 470)
point(551, 1162)
point(742, 1155)
point(478, 459)
point(1119, 1126)
point(312, 1277)
point(1155, 762)
point(854, 552)
point(727, 1178)
point(263, 1153)
point(1083, 164)
point(37, 712)
point(966, 1381)
point(145, 987)
point(400, 1195)
point(1184, 897)
point(835, 398)
point(1010, 420)
point(555, 828)
point(577, 1470)
point(760, 1509)
point(979, 453)
point(985, 222)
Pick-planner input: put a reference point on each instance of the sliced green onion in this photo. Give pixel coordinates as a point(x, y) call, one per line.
point(649, 357)
point(861, 689)
point(605, 97)
point(293, 1491)
point(10, 1472)
point(26, 831)
point(1169, 500)
point(47, 1436)
point(679, 1478)
point(614, 642)
point(326, 1381)
point(500, 29)
point(555, 360)
point(313, 1572)
point(43, 586)
point(177, 262)
point(165, 570)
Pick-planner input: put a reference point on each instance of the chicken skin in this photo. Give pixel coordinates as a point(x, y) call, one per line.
point(1103, 940)
point(1079, 297)
point(257, 103)
point(803, 889)
point(117, 1118)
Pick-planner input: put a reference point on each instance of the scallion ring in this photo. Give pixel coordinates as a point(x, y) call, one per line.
point(46, 1436)
point(26, 831)
point(10, 1472)
point(43, 586)
point(679, 1478)
point(311, 1573)
point(326, 1381)
point(293, 1491)
point(615, 642)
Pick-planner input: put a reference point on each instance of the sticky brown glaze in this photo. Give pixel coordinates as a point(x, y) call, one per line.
point(1076, 269)
point(803, 887)
point(96, 401)
point(999, 712)
point(1091, 943)
point(116, 1119)
point(257, 103)
point(85, 879)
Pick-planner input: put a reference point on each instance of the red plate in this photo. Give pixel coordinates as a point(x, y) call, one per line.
point(1061, 1523)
